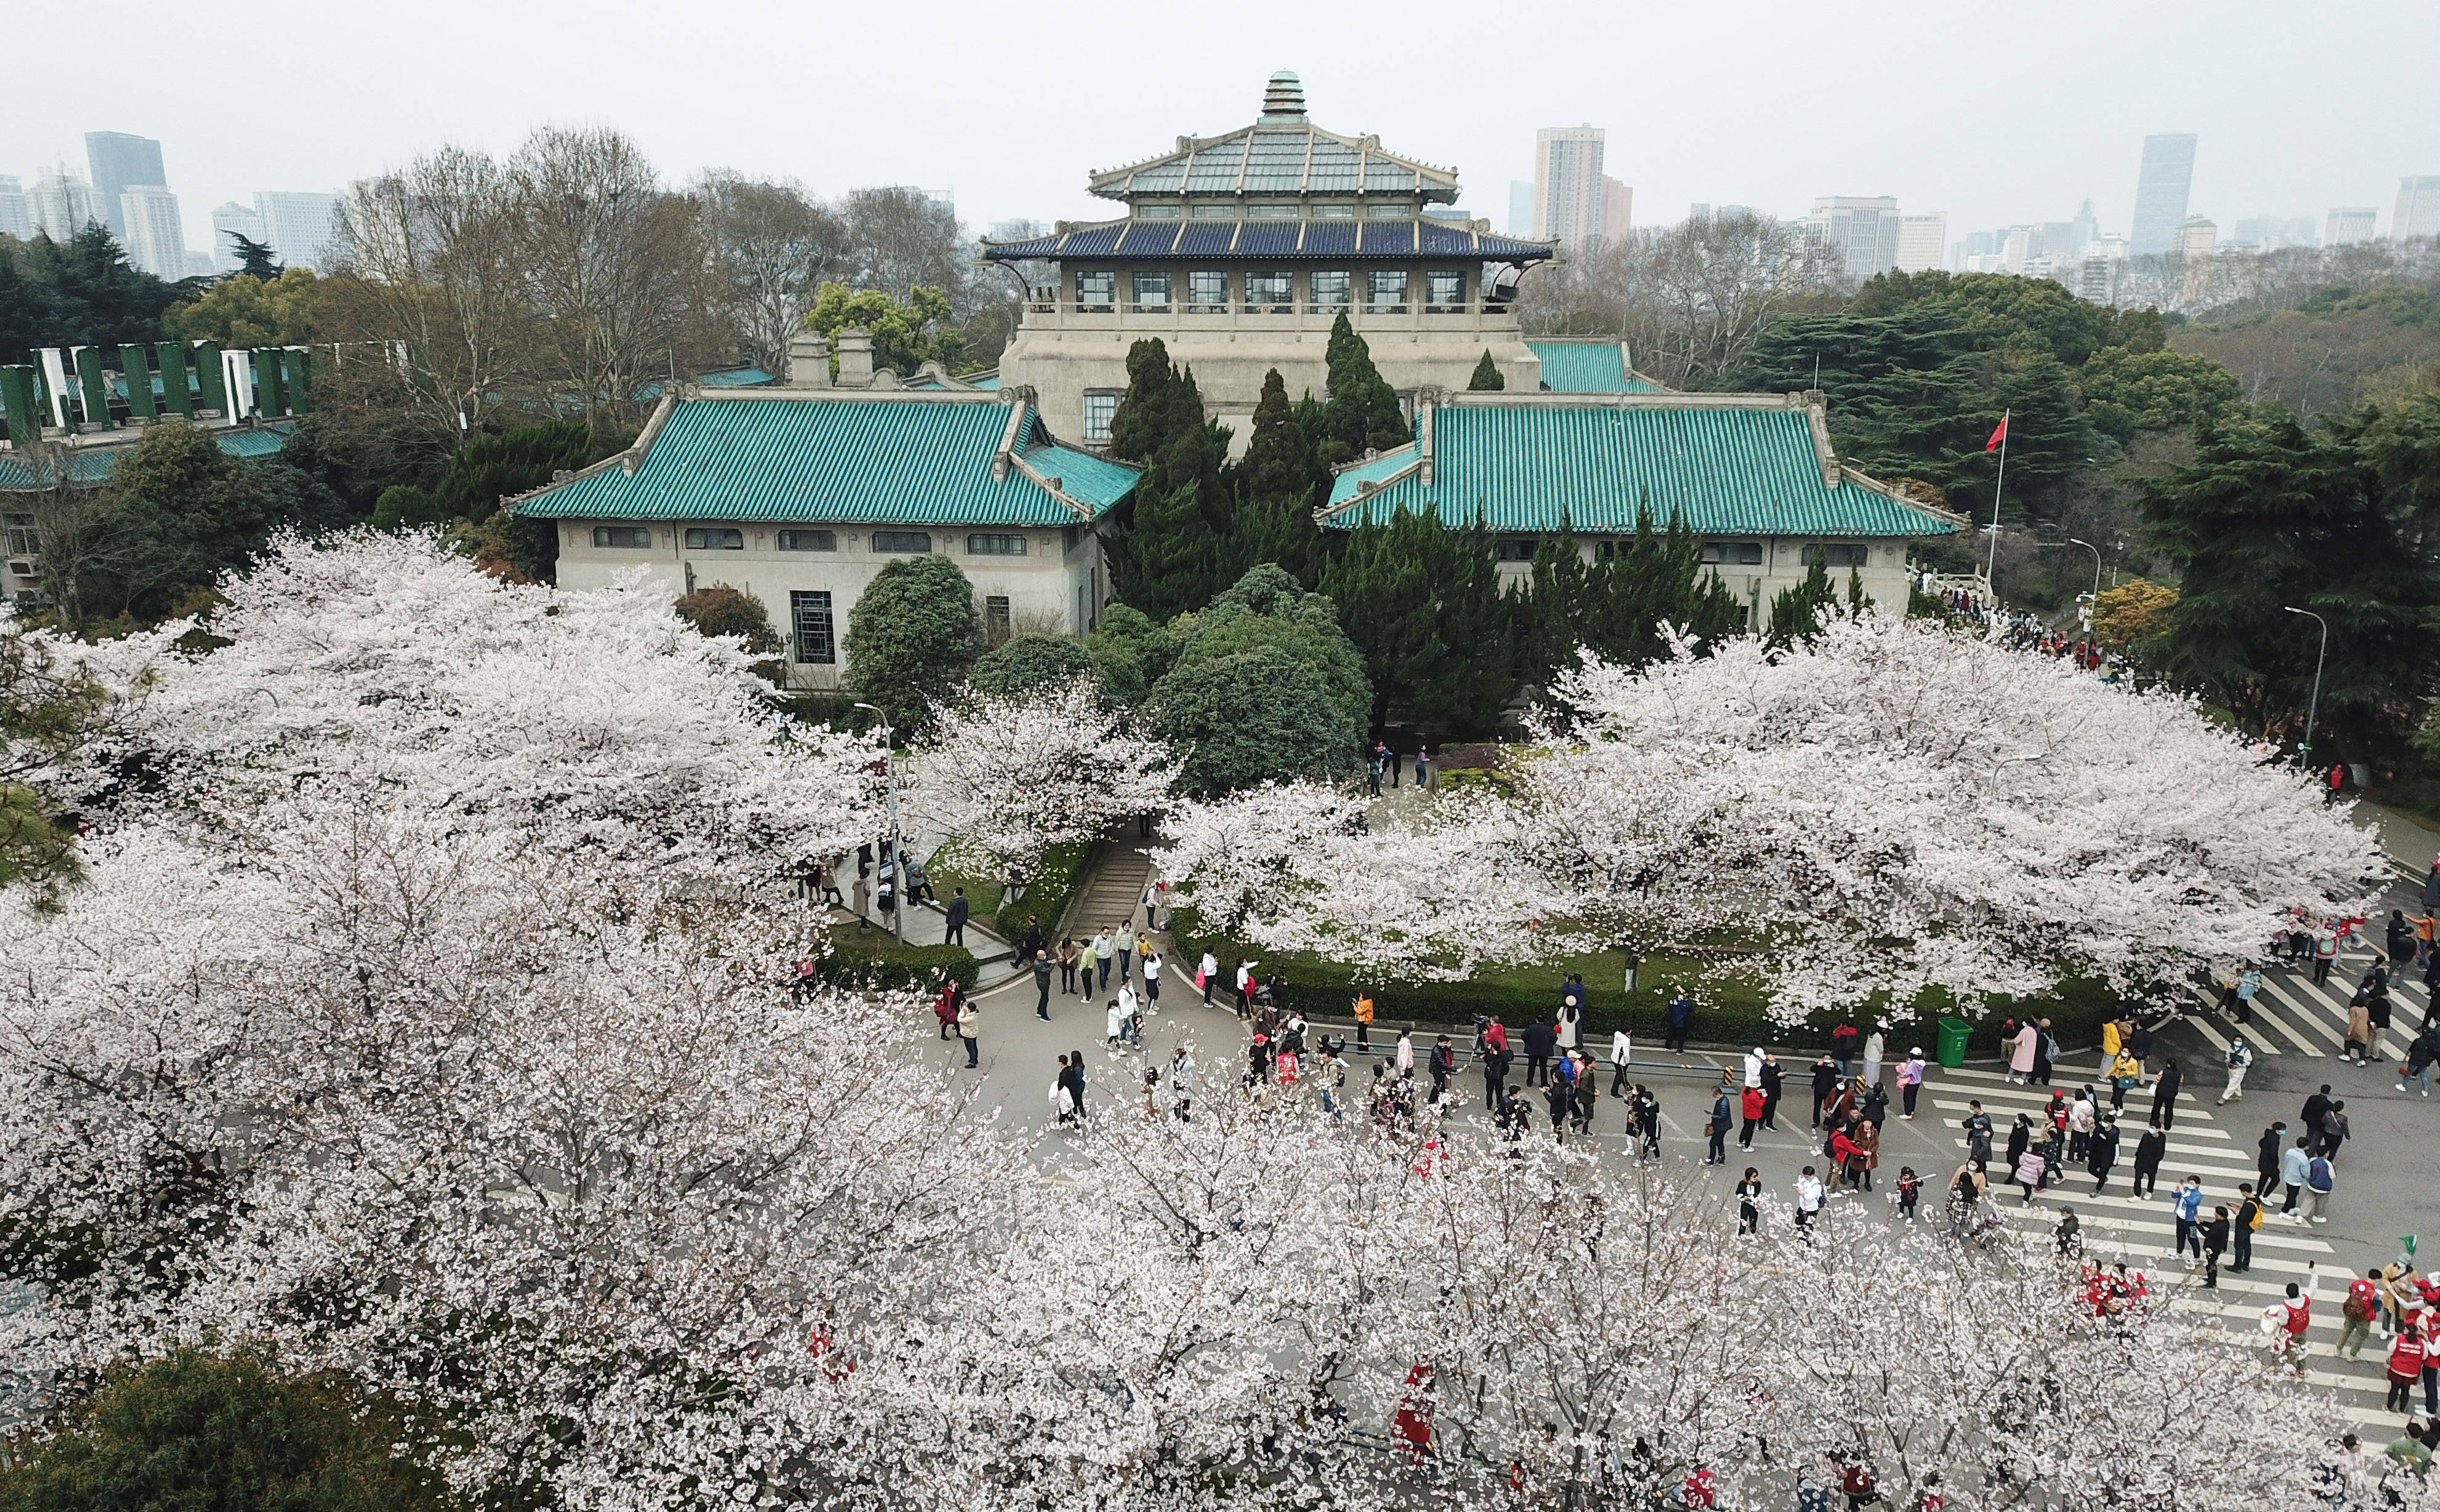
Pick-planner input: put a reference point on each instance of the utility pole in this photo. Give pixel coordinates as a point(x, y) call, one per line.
point(2313, 707)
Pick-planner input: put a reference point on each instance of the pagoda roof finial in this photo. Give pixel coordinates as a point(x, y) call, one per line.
point(1282, 99)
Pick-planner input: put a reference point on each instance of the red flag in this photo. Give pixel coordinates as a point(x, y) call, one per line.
point(1998, 436)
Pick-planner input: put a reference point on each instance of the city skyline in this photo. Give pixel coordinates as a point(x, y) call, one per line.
point(2008, 167)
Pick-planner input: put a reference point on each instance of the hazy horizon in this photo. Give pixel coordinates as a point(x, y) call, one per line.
point(1994, 119)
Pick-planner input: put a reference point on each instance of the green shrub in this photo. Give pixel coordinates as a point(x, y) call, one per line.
point(860, 956)
point(1046, 896)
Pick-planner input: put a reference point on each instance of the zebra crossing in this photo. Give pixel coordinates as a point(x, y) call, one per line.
point(2141, 1231)
point(2295, 1016)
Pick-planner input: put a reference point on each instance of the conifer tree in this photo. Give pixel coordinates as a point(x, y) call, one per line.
point(1362, 413)
point(1466, 689)
point(1172, 555)
point(1276, 490)
point(1796, 614)
point(1487, 377)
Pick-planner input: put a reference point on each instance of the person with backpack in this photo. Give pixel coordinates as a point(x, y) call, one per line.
point(2240, 1056)
point(2249, 1220)
point(2319, 1179)
point(2296, 1316)
point(2362, 1305)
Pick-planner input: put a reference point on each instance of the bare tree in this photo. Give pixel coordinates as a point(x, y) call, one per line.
point(608, 260)
point(772, 247)
point(432, 261)
point(900, 237)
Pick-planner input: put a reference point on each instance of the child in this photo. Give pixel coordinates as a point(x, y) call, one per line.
point(1910, 1186)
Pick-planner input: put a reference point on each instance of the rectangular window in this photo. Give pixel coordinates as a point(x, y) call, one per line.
point(994, 546)
point(995, 618)
point(912, 542)
point(1268, 293)
point(1517, 548)
point(1733, 553)
point(808, 540)
point(1097, 410)
point(1270, 212)
point(1838, 554)
point(1385, 291)
point(1206, 293)
point(1152, 291)
point(707, 540)
point(23, 543)
point(1331, 291)
point(1387, 211)
point(609, 535)
point(1447, 289)
point(1223, 210)
point(1156, 213)
point(811, 614)
point(1096, 291)
point(1334, 212)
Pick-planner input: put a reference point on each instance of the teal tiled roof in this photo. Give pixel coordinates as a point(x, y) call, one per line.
point(724, 378)
point(1589, 368)
point(89, 466)
point(890, 461)
point(1729, 469)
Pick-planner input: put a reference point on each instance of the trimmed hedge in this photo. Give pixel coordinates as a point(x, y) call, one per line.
point(1726, 1010)
point(1047, 896)
point(875, 956)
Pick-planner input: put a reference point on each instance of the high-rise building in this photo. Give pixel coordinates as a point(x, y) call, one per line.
point(120, 162)
point(2082, 232)
point(2019, 245)
point(2198, 237)
point(2349, 222)
point(2161, 190)
point(16, 211)
point(1618, 210)
point(2097, 270)
point(61, 203)
point(1923, 240)
point(155, 238)
point(1018, 231)
point(302, 228)
point(2418, 208)
point(1861, 232)
point(1567, 185)
point(232, 217)
point(1520, 207)
point(2270, 233)
point(1699, 213)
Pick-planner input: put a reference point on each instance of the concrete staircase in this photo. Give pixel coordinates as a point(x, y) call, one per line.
point(1113, 885)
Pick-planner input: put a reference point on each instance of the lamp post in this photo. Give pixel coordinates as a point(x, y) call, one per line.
point(2314, 707)
point(2096, 563)
point(897, 841)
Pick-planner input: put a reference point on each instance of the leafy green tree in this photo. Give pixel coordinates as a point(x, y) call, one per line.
point(1362, 412)
point(906, 334)
point(1996, 310)
point(1264, 684)
point(1131, 651)
point(1487, 377)
point(1795, 613)
point(193, 1432)
point(2269, 514)
point(2126, 391)
point(1022, 662)
point(1424, 603)
point(90, 294)
point(246, 311)
point(404, 507)
point(911, 636)
point(722, 610)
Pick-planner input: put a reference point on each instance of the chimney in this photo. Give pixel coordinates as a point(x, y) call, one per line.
point(809, 361)
point(855, 358)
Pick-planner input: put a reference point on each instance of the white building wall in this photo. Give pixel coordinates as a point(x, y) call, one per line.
point(1058, 587)
point(156, 236)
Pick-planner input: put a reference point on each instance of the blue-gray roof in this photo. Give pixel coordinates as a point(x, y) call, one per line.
point(1730, 468)
point(913, 462)
point(1236, 241)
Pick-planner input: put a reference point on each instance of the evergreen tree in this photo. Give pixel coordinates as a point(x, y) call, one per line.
point(1383, 583)
point(1487, 377)
point(1467, 689)
point(253, 256)
point(1546, 635)
point(1796, 614)
point(1172, 555)
point(1362, 413)
point(1276, 491)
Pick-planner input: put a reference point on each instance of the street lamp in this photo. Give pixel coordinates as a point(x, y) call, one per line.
point(2315, 706)
point(897, 841)
point(2096, 564)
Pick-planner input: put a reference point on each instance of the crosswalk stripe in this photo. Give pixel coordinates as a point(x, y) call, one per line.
point(2164, 1232)
point(2403, 1016)
point(2133, 1117)
point(2201, 1024)
point(2263, 1014)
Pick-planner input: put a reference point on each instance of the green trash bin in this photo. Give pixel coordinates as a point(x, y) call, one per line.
point(1953, 1033)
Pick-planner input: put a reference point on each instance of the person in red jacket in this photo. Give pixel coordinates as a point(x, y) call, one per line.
point(1756, 1101)
point(2406, 1358)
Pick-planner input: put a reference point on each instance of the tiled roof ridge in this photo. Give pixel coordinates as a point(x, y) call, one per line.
point(1369, 144)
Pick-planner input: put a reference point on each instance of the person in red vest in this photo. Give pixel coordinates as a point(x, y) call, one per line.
point(2406, 1358)
point(1414, 1424)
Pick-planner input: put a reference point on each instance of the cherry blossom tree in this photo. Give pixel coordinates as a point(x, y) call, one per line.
point(1008, 776)
point(1888, 808)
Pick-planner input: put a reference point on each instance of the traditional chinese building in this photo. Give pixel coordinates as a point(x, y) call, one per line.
point(1240, 252)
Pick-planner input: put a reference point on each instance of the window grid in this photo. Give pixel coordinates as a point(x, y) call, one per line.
point(1152, 291)
point(1385, 291)
point(1206, 293)
point(621, 536)
point(715, 540)
point(1096, 291)
point(808, 540)
point(1732, 553)
point(1447, 289)
point(914, 543)
point(990, 545)
point(1097, 410)
point(810, 615)
point(1332, 291)
point(1269, 294)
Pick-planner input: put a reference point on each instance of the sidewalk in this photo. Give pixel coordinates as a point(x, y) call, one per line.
point(926, 925)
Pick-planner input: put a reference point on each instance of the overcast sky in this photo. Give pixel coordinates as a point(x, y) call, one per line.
point(1995, 118)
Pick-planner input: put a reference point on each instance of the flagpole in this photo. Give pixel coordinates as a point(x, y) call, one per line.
point(1992, 563)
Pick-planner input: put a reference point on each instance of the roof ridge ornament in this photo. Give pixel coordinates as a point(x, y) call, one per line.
point(1283, 99)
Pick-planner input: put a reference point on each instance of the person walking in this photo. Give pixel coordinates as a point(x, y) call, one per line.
point(1423, 764)
point(1715, 1128)
point(2321, 1177)
point(2164, 1093)
point(1826, 1077)
point(2293, 1167)
point(1442, 1066)
point(1207, 972)
point(2045, 1051)
point(2356, 1311)
point(2020, 1051)
point(2101, 1153)
point(2325, 953)
point(1749, 1201)
point(2407, 1357)
point(2021, 1136)
point(957, 912)
point(2265, 1156)
point(1622, 1055)
point(2334, 1128)
point(1181, 1083)
point(1363, 1011)
point(1042, 985)
point(1151, 972)
point(2031, 1169)
point(1977, 1125)
point(1076, 1083)
point(2148, 1151)
point(2240, 1055)
point(1102, 946)
point(1755, 1104)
